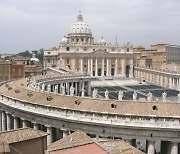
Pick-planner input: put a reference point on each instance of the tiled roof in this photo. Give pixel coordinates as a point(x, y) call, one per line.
point(75, 139)
point(79, 138)
point(118, 147)
point(21, 134)
point(164, 109)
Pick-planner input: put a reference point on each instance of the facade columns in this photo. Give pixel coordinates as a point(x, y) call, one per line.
point(151, 147)
point(16, 123)
point(81, 65)
point(102, 69)
point(107, 67)
point(116, 67)
point(96, 67)
point(123, 67)
point(91, 66)
point(50, 135)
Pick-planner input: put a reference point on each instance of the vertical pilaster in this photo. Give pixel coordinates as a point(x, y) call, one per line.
point(24, 123)
point(107, 67)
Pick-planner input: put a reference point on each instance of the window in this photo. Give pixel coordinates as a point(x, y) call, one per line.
point(67, 48)
point(127, 49)
point(67, 61)
point(48, 60)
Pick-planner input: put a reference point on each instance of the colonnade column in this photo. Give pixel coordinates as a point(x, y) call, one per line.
point(24, 123)
point(16, 122)
point(102, 69)
point(8, 121)
point(96, 67)
point(65, 133)
point(151, 147)
point(107, 67)
point(4, 122)
point(170, 83)
point(50, 135)
point(174, 148)
point(35, 126)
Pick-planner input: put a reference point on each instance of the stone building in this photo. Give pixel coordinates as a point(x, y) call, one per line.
point(161, 54)
point(79, 52)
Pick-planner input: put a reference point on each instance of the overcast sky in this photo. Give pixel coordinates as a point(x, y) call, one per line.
point(34, 24)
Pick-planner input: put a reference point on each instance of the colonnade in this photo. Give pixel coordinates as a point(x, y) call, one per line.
point(161, 78)
point(65, 87)
point(9, 122)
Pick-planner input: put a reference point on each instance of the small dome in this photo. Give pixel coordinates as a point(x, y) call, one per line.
point(79, 27)
point(102, 41)
point(64, 39)
point(34, 58)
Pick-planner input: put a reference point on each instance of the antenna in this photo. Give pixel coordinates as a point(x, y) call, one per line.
point(116, 40)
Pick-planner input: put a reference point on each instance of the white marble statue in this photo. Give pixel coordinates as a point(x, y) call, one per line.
point(72, 91)
point(179, 97)
point(42, 87)
point(62, 90)
point(120, 95)
point(56, 89)
point(82, 92)
point(164, 95)
point(106, 94)
point(95, 93)
point(149, 97)
point(49, 88)
point(135, 95)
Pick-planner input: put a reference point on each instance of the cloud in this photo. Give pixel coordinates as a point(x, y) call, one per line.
point(35, 24)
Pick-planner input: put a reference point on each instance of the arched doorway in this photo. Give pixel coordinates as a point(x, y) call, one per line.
point(127, 70)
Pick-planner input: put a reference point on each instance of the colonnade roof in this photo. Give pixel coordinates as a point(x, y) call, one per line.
point(17, 89)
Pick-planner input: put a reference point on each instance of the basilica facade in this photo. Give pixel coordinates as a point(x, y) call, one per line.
point(79, 52)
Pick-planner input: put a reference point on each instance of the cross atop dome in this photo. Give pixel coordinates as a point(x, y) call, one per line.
point(79, 17)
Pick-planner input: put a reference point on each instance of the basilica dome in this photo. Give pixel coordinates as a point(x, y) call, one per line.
point(79, 27)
